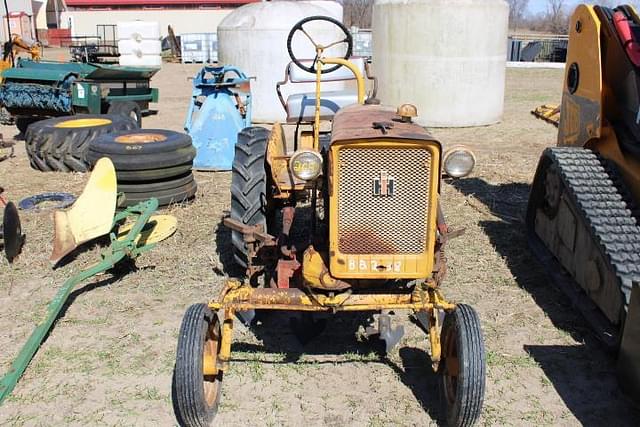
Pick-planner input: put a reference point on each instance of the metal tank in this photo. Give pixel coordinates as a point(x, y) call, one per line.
point(447, 57)
point(254, 38)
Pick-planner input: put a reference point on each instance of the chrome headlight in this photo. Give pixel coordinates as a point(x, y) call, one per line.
point(306, 164)
point(458, 161)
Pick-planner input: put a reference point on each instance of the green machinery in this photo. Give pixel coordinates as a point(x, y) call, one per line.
point(33, 90)
point(127, 246)
point(131, 232)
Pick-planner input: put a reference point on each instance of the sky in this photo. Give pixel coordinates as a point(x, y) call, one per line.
point(538, 6)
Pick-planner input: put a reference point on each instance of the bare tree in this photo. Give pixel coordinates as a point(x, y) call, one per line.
point(358, 13)
point(557, 16)
point(517, 9)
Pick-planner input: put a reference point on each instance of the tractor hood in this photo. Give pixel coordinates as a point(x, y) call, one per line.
point(374, 122)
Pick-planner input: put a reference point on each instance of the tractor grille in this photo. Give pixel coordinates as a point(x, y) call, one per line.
point(372, 222)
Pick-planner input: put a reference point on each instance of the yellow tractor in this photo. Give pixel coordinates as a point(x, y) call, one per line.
point(583, 208)
point(366, 199)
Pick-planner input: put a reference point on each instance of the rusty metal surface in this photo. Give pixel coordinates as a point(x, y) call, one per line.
point(288, 214)
point(286, 269)
point(423, 299)
point(356, 122)
point(252, 233)
point(317, 275)
point(260, 245)
point(370, 223)
point(238, 297)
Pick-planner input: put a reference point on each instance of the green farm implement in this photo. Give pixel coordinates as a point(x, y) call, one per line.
point(132, 232)
point(34, 90)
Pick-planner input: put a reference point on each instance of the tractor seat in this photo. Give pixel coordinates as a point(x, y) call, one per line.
point(301, 107)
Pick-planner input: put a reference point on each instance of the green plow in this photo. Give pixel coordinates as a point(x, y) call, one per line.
point(124, 247)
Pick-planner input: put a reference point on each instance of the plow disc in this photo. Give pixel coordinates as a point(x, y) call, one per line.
point(11, 232)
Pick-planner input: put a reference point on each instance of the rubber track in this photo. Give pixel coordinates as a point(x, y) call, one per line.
point(590, 183)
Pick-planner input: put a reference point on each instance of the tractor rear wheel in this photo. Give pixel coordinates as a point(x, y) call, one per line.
point(128, 109)
point(22, 123)
point(61, 143)
point(249, 184)
point(463, 366)
point(196, 390)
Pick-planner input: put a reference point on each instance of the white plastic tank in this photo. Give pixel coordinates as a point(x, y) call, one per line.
point(196, 47)
point(447, 57)
point(138, 30)
point(139, 44)
point(254, 39)
point(333, 8)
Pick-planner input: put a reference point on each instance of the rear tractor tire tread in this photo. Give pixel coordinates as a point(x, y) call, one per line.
point(22, 123)
point(248, 186)
point(127, 109)
point(52, 148)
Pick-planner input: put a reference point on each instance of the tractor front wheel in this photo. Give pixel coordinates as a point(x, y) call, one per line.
point(197, 381)
point(249, 185)
point(463, 366)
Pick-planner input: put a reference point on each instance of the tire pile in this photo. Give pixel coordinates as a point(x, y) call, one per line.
point(61, 143)
point(149, 163)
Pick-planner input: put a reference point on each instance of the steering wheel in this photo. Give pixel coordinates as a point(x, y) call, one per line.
point(319, 48)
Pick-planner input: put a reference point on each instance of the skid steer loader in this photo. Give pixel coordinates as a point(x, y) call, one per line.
point(583, 208)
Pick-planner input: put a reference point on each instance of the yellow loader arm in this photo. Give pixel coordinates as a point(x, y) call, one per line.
point(549, 113)
point(16, 46)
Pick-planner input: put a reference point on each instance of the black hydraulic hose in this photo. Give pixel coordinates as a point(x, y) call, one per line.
point(8, 47)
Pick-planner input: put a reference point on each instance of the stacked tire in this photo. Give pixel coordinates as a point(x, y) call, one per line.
point(61, 143)
point(149, 163)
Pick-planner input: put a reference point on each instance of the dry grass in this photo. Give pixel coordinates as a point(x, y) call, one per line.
point(108, 361)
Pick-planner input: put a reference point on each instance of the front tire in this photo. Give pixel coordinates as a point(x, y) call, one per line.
point(196, 395)
point(248, 187)
point(463, 367)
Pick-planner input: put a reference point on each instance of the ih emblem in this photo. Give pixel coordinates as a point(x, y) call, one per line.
point(384, 185)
